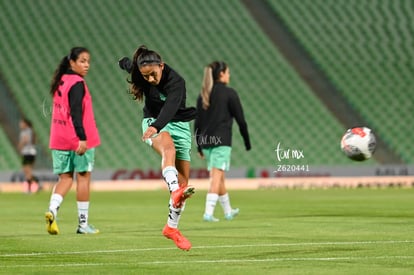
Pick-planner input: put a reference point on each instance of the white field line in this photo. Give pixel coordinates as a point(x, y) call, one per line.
point(315, 259)
point(208, 247)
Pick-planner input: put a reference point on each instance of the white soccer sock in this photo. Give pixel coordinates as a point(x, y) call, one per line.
point(83, 210)
point(55, 202)
point(211, 201)
point(225, 203)
point(170, 175)
point(174, 216)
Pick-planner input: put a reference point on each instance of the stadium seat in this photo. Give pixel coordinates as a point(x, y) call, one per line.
point(365, 49)
point(278, 105)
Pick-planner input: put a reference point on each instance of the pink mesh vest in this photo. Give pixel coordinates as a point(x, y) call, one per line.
point(62, 131)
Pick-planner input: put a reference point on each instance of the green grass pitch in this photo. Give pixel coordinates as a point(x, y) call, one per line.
point(331, 231)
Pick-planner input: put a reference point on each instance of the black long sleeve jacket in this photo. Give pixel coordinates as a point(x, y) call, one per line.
point(213, 127)
point(167, 101)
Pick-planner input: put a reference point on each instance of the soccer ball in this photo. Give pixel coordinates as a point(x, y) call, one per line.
point(358, 143)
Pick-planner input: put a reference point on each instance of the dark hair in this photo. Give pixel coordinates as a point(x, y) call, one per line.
point(142, 57)
point(29, 124)
point(64, 66)
point(211, 75)
point(217, 67)
point(27, 121)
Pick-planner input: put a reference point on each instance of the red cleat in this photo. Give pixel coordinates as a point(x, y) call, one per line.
point(179, 196)
point(174, 234)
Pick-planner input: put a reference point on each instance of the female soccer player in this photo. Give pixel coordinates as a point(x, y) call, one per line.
point(217, 105)
point(165, 128)
point(27, 150)
point(73, 137)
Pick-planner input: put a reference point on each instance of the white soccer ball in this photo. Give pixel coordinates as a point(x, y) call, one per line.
point(358, 143)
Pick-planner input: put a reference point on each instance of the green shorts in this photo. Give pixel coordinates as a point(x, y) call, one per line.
point(69, 161)
point(180, 133)
point(218, 157)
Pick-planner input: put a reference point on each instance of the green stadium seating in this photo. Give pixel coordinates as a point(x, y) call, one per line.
point(365, 48)
point(9, 159)
point(189, 34)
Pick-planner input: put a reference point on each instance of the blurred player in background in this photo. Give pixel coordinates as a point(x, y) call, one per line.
point(27, 150)
point(217, 105)
point(73, 137)
point(165, 127)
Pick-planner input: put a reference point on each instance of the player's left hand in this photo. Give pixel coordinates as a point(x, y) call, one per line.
point(82, 147)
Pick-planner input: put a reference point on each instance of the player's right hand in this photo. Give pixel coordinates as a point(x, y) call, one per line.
point(125, 64)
